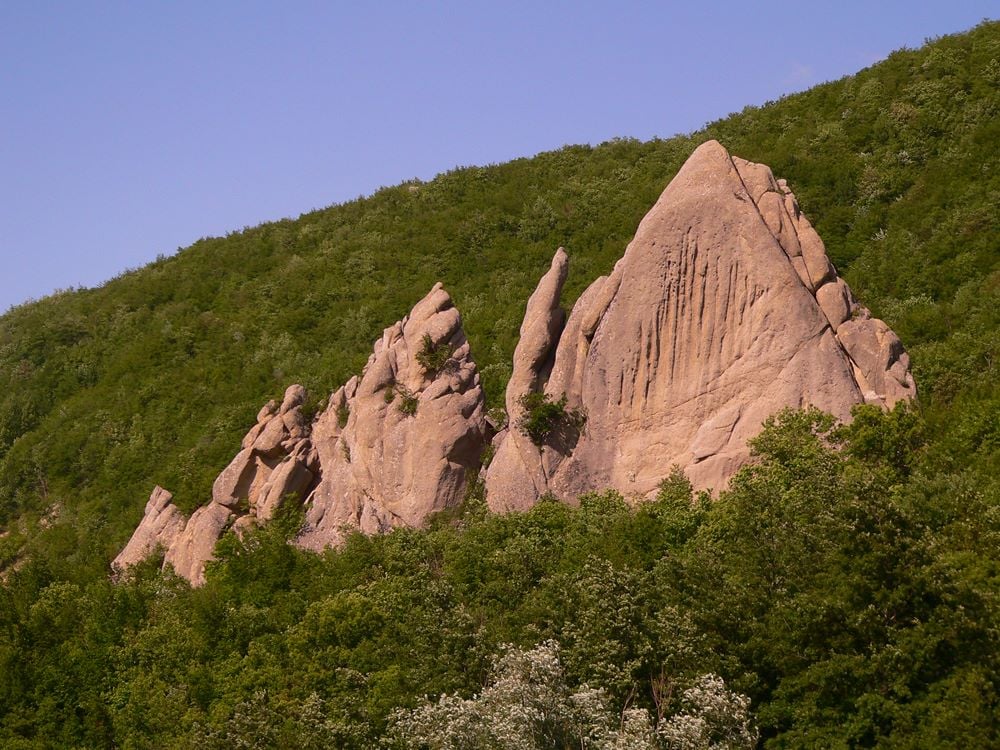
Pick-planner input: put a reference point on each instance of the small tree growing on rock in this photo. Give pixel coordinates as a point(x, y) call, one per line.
point(544, 418)
point(434, 357)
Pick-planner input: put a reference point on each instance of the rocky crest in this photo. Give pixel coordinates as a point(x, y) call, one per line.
point(723, 310)
point(161, 523)
point(392, 447)
point(398, 443)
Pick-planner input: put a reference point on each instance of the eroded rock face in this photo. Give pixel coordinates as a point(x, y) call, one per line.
point(276, 461)
point(161, 524)
point(392, 447)
point(398, 443)
point(723, 310)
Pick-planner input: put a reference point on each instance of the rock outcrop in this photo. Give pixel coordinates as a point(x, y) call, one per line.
point(723, 310)
point(516, 473)
point(161, 524)
point(392, 447)
point(399, 443)
point(276, 461)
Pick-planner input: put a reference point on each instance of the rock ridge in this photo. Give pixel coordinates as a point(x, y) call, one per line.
point(391, 447)
point(723, 309)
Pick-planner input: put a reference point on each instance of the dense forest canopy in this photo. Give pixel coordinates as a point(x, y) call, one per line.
point(847, 583)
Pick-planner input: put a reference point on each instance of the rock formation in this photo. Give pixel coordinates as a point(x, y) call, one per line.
point(516, 473)
point(391, 447)
point(161, 523)
point(276, 461)
point(723, 310)
point(398, 443)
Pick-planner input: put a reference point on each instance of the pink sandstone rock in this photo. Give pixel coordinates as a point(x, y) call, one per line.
point(195, 546)
point(398, 443)
point(276, 461)
point(161, 523)
point(723, 310)
point(517, 458)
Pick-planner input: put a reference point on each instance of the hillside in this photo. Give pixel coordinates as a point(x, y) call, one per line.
point(154, 377)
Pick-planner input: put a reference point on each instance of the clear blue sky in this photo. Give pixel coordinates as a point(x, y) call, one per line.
point(129, 129)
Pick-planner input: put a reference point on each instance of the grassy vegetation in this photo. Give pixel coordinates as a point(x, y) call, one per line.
point(851, 594)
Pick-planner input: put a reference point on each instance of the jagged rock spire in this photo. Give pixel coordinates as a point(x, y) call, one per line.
point(398, 443)
point(392, 447)
point(723, 310)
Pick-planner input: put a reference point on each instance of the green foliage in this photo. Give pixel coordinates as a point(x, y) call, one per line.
point(408, 401)
point(544, 418)
point(853, 603)
point(434, 357)
point(847, 582)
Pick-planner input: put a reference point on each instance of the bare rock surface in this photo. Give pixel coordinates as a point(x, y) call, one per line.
point(391, 447)
point(195, 545)
point(161, 524)
point(276, 461)
point(724, 309)
point(517, 458)
point(398, 443)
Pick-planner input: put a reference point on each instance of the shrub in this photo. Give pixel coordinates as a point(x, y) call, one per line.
point(544, 417)
point(434, 357)
point(408, 402)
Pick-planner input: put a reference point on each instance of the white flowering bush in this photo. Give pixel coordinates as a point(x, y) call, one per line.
point(713, 718)
point(528, 705)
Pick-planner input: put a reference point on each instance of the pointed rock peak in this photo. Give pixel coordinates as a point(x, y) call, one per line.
point(398, 444)
point(723, 310)
point(534, 358)
point(710, 156)
point(437, 299)
point(543, 322)
point(708, 167)
point(161, 524)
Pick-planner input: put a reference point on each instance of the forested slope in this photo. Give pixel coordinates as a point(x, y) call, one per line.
point(867, 618)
